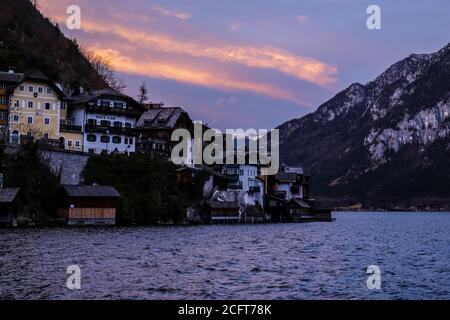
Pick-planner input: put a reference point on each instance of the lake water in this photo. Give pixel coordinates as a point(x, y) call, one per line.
point(270, 261)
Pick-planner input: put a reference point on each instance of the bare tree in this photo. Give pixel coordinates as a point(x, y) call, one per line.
point(105, 70)
point(143, 93)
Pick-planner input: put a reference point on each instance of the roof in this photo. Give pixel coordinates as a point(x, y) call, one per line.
point(7, 195)
point(169, 117)
point(91, 191)
point(298, 170)
point(301, 203)
point(287, 177)
point(36, 74)
point(223, 204)
point(88, 96)
point(10, 77)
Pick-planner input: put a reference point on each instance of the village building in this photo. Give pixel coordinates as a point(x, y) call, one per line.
point(245, 178)
point(106, 121)
point(92, 205)
point(11, 206)
point(155, 128)
point(35, 104)
point(223, 211)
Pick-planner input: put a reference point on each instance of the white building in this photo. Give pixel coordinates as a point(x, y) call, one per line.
point(107, 118)
point(245, 178)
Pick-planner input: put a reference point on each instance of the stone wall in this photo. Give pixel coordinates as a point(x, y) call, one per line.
point(68, 164)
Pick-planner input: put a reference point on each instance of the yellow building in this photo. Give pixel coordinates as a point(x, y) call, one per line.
point(35, 109)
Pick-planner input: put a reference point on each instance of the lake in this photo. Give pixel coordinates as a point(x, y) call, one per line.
point(262, 261)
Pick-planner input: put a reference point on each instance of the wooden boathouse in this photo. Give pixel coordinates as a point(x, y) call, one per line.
point(88, 205)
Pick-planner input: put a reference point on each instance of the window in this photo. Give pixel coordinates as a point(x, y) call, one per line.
point(21, 87)
point(117, 139)
point(63, 106)
point(105, 123)
point(47, 106)
point(47, 121)
point(127, 125)
point(40, 90)
point(16, 118)
point(241, 172)
point(117, 124)
point(91, 138)
point(30, 89)
point(126, 140)
point(130, 141)
point(49, 90)
point(30, 120)
point(118, 105)
point(105, 104)
point(92, 122)
point(46, 136)
point(77, 144)
point(16, 103)
point(105, 139)
point(161, 123)
point(91, 151)
point(69, 143)
point(30, 104)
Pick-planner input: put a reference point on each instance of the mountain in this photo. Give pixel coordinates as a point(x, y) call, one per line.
point(28, 40)
point(384, 144)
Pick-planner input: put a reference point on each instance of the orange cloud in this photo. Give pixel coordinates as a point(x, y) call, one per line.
point(172, 14)
point(307, 69)
point(190, 75)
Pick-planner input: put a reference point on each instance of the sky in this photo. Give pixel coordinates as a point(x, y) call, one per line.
point(251, 63)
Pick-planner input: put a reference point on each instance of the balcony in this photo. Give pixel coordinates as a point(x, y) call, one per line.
point(110, 110)
point(111, 129)
point(70, 128)
point(254, 189)
point(235, 186)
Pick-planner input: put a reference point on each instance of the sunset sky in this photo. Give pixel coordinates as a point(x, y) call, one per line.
point(252, 63)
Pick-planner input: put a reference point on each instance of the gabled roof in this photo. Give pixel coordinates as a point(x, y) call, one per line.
point(286, 177)
point(88, 96)
point(91, 191)
point(161, 118)
point(7, 195)
point(31, 75)
point(223, 204)
point(300, 203)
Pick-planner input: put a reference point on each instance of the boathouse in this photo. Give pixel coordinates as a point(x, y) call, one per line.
point(224, 211)
point(11, 205)
point(89, 205)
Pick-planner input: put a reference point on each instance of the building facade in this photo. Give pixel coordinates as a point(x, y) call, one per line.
point(35, 104)
point(103, 121)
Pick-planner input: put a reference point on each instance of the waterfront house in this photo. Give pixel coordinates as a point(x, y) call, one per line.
point(35, 104)
point(11, 205)
point(245, 178)
point(91, 205)
point(106, 120)
point(223, 211)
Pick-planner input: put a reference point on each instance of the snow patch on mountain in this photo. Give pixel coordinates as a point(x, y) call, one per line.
point(423, 128)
